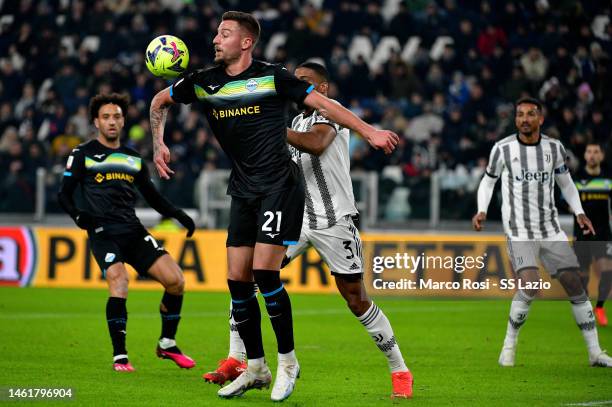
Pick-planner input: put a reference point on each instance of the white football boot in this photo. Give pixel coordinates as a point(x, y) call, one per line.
point(506, 357)
point(286, 375)
point(601, 360)
point(251, 378)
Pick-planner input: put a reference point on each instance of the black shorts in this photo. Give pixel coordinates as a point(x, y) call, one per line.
point(589, 250)
point(138, 248)
point(274, 219)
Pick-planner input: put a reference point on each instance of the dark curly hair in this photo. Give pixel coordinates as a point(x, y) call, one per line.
point(96, 102)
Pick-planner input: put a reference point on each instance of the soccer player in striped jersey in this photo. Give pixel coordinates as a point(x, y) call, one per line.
point(529, 163)
point(595, 188)
point(321, 149)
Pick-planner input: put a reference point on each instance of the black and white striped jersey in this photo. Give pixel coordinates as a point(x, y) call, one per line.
point(327, 179)
point(528, 174)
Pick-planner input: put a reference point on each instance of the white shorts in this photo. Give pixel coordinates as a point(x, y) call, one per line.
point(339, 246)
point(555, 253)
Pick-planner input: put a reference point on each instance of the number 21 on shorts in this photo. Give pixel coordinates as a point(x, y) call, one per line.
point(267, 226)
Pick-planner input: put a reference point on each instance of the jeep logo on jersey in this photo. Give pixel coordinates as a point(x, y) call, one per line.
point(251, 85)
point(538, 176)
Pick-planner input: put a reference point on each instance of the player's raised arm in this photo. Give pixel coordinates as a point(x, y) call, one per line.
point(385, 139)
point(157, 116)
point(314, 141)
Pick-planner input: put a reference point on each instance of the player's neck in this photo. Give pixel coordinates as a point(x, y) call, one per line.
point(114, 144)
point(240, 65)
point(596, 170)
point(530, 138)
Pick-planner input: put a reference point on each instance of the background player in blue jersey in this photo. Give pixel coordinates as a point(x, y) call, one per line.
point(595, 188)
point(109, 176)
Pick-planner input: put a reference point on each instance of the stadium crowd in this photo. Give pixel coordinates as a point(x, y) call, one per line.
point(449, 106)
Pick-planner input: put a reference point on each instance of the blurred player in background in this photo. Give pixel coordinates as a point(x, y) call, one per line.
point(528, 164)
point(245, 102)
point(595, 188)
point(109, 175)
point(321, 149)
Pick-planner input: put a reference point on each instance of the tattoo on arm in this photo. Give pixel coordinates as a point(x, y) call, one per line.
point(158, 121)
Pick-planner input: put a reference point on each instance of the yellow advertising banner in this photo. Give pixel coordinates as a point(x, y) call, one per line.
point(464, 265)
point(65, 260)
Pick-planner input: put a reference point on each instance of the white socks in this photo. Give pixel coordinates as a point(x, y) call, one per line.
point(287, 358)
point(119, 357)
point(166, 343)
point(236, 346)
point(518, 315)
point(379, 328)
point(583, 314)
point(255, 365)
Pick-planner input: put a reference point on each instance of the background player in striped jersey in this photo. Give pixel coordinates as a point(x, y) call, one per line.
point(321, 148)
point(529, 163)
point(595, 187)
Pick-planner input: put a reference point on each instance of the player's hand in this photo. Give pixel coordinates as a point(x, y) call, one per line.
point(385, 139)
point(161, 157)
point(186, 221)
point(478, 221)
point(85, 221)
point(585, 224)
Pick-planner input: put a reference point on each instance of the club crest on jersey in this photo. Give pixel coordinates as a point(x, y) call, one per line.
point(539, 176)
point(547, 157)
point(251, 85)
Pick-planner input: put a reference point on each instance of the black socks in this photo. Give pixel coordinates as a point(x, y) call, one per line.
point(116, 318)
point(171, 315)
point(245, 310)
point(278, 306)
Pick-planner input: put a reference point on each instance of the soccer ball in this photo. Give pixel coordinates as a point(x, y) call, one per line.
point(167, 56)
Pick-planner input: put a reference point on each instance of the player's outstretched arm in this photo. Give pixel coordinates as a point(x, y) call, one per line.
point(571, 195)
point(385, 139)
point(158, 202)
point(157, 116)
point(314, 141)
point(485, 192)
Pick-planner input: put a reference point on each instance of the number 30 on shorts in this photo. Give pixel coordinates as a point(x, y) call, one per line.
point(266, 227)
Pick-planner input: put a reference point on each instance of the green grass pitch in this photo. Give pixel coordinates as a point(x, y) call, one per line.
point(58, 338)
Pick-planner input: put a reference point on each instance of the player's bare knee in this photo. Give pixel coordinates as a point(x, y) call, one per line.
point(570, 280)
point(352, 290)
point(357, 304)
point(117, 282)
point(180, 283)
point(175, 284)
point(527, 276)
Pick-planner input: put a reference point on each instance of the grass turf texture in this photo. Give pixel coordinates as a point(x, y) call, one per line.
point(58, 338)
